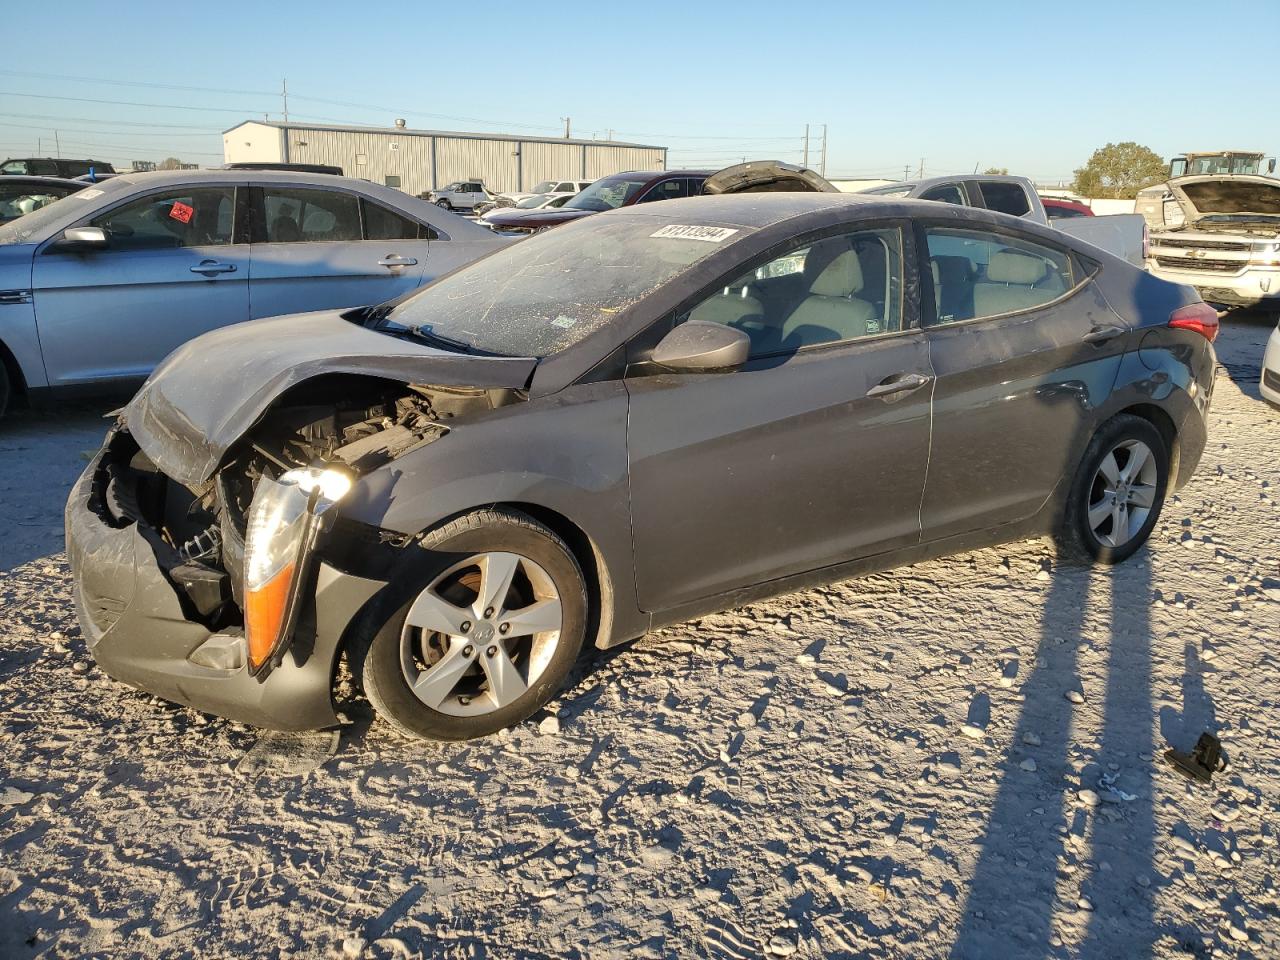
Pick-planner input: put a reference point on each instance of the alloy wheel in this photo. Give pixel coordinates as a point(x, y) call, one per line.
point(481, 634)
point(1123, 493)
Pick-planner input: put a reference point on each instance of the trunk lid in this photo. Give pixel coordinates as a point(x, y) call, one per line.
point(1228, 196)
point(209, 392)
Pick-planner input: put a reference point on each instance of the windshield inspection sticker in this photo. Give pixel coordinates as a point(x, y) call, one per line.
point(676, 231)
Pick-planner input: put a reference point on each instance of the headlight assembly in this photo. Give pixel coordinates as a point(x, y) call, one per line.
point(284, 520)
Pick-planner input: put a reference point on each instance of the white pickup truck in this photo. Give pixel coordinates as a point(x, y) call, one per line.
point(1122, 235)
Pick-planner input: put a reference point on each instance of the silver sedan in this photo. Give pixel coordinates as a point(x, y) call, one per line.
point(96, 288)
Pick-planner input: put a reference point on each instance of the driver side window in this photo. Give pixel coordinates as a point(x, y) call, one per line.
point(183, 218)
point(836, 289)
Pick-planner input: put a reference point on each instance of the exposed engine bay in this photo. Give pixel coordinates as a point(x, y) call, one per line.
point(197, 532)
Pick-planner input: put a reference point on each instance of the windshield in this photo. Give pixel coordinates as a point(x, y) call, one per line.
point(889, 191)
point(26, 228)
point(529, 203)
point(546, 186)
point(1228, 165)
point(542, 295)
point(607, 194)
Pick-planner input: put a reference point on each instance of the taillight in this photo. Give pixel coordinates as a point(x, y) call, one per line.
point(1200, 317)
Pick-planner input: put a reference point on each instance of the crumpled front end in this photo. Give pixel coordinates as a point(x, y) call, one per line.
point(159, 567)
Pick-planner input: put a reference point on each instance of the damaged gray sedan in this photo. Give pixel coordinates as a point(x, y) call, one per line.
point(629, 421)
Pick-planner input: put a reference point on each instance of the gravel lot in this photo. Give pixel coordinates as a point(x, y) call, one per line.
point(889, 767)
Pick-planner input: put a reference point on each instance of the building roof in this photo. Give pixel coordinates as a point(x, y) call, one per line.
point(406, 131)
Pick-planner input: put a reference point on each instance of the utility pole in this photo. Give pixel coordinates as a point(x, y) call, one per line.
point(566, 127)
point(57, 145)
point(823, 169)
point(906, 171)
point(806, 144)
point(920, 174)
point(608, 135)
point(284, 95)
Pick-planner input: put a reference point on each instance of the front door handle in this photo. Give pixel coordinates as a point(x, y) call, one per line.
point(395, 260)
point(899, 383)
point(211, 268)
point(1104, 333)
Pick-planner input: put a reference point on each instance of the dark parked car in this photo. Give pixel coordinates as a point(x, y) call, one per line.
point(636, 419)
point(22, 195)
point(627, 189)
point(54, 167)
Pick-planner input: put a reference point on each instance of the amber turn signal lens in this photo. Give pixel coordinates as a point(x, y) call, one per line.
point(264, 614)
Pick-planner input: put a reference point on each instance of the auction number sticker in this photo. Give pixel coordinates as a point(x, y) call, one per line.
point(677, 231)
point(181, 212)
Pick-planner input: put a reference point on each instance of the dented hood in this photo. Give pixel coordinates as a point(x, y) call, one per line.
point(763, 176)
point(1238, 195)
point(210, 391)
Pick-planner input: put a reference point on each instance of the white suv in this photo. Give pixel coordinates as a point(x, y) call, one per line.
point(463, 195)
point(553, 187)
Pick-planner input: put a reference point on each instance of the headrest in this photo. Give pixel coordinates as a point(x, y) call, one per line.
point(1015, 268)
point(842, 277)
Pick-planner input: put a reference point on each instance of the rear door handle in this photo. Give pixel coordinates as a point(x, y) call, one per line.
point(1104, 333)
point(395, 260)
point(210, 268)
point(899, 383)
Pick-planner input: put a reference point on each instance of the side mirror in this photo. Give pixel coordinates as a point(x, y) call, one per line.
point(702, 346)
point(82, 239)
point(1271, 165)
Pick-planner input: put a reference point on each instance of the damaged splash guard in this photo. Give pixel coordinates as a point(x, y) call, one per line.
point(208, 393)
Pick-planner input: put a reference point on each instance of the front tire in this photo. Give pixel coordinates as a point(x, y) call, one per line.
point(444, 204)
point(492, 626)
point(1117, 494)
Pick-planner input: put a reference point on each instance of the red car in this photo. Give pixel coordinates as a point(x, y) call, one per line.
point(1058, 209)
point(624, 189)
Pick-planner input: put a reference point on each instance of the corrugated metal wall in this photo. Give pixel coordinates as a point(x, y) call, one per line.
point(503, 165)
point(549, 161)
point(603, 160)
point(369, 156)
point(490, 161)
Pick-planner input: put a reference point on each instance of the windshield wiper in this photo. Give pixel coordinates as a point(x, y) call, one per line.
point(428, 336)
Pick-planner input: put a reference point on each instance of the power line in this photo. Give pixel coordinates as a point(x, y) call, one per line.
point(113, 123)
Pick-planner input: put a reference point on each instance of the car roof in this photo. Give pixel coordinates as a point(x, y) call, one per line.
point(753, 209)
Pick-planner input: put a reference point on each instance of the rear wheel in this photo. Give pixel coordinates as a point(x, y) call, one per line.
point(444, 204)
point(1117, 494)
point(492, 627)
point(5, 390)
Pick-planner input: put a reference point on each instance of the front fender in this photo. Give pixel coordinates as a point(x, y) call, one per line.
point(565, 453)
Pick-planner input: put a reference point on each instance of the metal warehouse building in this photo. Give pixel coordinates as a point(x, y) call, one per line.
point(419, 160)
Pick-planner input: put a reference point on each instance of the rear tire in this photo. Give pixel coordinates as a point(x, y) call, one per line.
point(444, 204)
point(5, 390)
point(1117, 494)
point(463, 675)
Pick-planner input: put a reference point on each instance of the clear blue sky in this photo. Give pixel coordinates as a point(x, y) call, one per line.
point(1032, 87)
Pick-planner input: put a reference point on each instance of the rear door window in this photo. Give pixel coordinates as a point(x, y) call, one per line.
point(978, 274)
point(184, 217)
point(293, 215)
point(1008, 198)
point(383, 224)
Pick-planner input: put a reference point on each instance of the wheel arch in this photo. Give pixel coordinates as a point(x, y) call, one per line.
point(17, 382)
point(600, 595)
point(1168, 431)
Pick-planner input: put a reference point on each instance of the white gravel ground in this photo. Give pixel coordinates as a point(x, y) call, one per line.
point(957, 759)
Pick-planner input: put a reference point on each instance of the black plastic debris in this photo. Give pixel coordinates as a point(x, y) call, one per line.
point(1202, 762)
